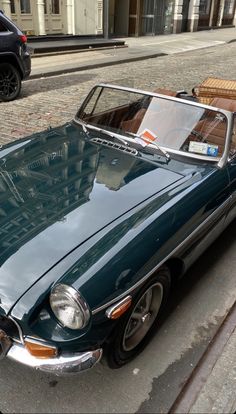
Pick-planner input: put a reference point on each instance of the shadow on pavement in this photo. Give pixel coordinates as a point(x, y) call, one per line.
point(34, 86)
point(200, 268)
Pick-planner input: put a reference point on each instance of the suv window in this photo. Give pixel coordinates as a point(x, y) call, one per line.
point(2, 27)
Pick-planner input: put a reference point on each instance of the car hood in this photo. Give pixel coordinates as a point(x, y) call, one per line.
point(56, 191)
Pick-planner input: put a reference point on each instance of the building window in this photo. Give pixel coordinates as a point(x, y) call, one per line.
point(148, 7)
point(229, 7)
point(55, 7)
point(52, 7)
point(13, 8)
point(204, 6)
point(25, 6)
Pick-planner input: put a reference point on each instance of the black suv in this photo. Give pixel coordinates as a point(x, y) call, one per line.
point(15, 62)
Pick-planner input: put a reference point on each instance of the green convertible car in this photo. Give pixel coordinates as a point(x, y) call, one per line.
point(98, 217)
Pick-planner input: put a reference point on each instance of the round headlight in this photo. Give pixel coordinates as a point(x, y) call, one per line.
point(69, 307)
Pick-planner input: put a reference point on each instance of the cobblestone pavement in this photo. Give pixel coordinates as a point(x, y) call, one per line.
point(52, 101)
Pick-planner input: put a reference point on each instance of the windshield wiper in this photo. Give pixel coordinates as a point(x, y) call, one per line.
point(147, 142)
point(103, 131)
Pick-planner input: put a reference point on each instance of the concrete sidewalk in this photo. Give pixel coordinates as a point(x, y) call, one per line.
point(211, 387)
point(43, 45)
point(218, 394)
point(140, 48)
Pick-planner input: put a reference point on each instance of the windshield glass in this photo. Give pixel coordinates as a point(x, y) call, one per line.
point(170, 124)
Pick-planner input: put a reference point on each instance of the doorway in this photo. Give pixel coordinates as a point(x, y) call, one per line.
point(185, 10)
point(134, 16)
point(153, 17)
point(23, 14)
point(204, 14)
point(53, 16)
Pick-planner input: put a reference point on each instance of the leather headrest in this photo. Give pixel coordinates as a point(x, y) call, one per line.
point(223, 103)
point(163, 91)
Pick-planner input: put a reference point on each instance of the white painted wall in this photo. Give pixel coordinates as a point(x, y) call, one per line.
point(5, 6)
point(86, 17)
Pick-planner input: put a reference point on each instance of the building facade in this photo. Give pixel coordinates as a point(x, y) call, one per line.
point(216, 13)
point(43, 17)
point(118, 17)
point(154, 17)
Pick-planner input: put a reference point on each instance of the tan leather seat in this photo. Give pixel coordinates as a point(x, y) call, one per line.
point(214, 134)
point(215, 131)
point(132, 125)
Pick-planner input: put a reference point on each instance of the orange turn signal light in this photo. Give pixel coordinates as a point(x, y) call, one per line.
point(39, 350)
point(115, 312)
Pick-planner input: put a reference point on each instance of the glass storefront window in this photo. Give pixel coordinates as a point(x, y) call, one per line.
point(204, 6)
point(229, 7)
point(25, 6)
point(148, 25)
point(51, 6)
point(13, 8)
point(148, 6)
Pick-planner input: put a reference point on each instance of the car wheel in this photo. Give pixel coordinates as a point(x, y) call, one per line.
point(10, 82)
point(136, 327)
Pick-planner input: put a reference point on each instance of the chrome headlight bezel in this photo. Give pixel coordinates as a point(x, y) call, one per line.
point(75, 302)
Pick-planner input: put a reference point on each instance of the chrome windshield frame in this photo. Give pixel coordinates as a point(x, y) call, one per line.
point(221, 161)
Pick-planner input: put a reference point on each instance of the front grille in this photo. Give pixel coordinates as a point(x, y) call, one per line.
point(8, 326)
point(115, 145)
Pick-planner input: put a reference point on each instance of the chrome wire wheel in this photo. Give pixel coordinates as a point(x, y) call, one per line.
point(143, 316)
point(10, 82)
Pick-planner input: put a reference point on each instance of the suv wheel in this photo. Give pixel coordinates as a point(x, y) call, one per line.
point(10, 82)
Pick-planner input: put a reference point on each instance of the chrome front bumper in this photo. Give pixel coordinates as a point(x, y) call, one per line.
point(63, 364)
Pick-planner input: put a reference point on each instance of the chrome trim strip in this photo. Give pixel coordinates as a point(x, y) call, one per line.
point(110, 310)
point(63, 364)
point(192, 155)
point(158, 95)
point(19, 329)
point(141, 281)
point(36, 339)
point(229, 132)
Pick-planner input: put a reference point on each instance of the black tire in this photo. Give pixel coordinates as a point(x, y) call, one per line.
point(10, 82)
point(125, 345)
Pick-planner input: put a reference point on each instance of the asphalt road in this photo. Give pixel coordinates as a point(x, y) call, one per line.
point(199, 302)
